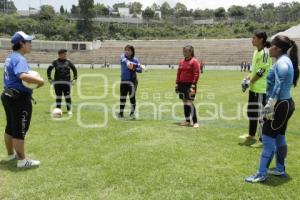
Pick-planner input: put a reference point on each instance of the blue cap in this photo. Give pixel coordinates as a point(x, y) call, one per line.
point(21, 36)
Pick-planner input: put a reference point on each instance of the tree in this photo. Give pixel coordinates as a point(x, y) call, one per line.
point(47, 12)
point(208, 14)
point(155, 6)
point(101, 9)
point(267, 12)
point(166, 10)
point(220, 13)
point(7, 6)
point(62, 10)
point(75, 10)
point(135, 8)
point(87, 13)
point(295, 11)
point(148, 14)
point(119, 5)
point(237, 11)
point(180, 10)
point(267, 6)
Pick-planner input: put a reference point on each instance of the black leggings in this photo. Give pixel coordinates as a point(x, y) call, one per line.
point(60, 90)
point(256, 104)
point(128, 88)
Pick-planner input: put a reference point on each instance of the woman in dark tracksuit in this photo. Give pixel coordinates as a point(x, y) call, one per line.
point(130, 65)
point(279, 108)
point(186, 84)
point(16, 100)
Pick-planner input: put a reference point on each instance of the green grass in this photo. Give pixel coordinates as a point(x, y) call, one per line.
point(146, 158)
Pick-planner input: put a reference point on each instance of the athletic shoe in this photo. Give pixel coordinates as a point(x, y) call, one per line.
point(70, 113)
point(120, 116)
point(196, 125)
point(247, 136)
point(275, 172)
point(256, 178)
point(10, 157)
point(28, 163)
point(185, 123)
point(258, 144)
point(132, 116)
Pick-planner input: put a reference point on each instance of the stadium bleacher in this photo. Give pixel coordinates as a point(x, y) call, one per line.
point(157, 52)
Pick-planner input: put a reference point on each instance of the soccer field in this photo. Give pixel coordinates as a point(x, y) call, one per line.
point(95, 156)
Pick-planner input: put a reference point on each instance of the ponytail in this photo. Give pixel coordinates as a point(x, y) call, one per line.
point(267, 44)
point(293, 53)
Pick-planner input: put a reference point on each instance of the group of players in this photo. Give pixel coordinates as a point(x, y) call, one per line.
point(270, 102)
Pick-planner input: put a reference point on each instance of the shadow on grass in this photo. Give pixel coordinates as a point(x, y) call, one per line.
point(274, 181)
point(179, 124)
point(12, 166)
point(248, 142)
point(130, 120)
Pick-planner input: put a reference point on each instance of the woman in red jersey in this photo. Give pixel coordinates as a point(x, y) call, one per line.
point(187, 78)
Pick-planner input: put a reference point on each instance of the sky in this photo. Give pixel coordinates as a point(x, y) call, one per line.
point(202, 4)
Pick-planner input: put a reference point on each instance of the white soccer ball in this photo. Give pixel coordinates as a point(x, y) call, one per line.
point(31, 85)
point(57, 113)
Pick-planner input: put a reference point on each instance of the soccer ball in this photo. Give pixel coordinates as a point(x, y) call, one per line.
point(57, 113)
point(31, 85)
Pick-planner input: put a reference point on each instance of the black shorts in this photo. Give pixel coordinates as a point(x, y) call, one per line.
point(18, 115)
point(284, 109)
point(62, 88)
point(184, 91)
point(256, 103)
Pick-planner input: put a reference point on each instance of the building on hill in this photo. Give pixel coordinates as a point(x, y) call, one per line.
point(26, 13)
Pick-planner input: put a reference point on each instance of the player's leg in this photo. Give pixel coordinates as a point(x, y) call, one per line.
point(67, 94)
point(280, 155)
point(124, 90)
point(191, 99)
point(261, 104)
point(7, 135)
point(132, 94)
point(252, 115)
point(194, 115)
point(284, 111)
point(265, 160)
point(184, 96)
point(21, 122)
point(58, 92)
point(187, 112)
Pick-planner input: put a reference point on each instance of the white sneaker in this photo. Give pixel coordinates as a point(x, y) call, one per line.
point(28, 163)
point(10, 157)
point(70, 113)
point(196, 125)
